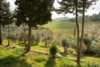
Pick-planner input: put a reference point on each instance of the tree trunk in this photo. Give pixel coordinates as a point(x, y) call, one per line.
point(83, 22)
point(8, 36)
point(28, 46)
point(74, 32)
point(24, 33)
point(78, 34)
point(0, 36)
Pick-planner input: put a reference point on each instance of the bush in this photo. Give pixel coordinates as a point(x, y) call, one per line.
point(51, 60)
point(65, 44)
point(53, 51)
point(87, 42)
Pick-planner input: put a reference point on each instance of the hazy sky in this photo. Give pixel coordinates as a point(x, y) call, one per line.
point(93, 9)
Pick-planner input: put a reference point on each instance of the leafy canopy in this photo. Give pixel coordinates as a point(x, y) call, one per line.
point(5, 14)
point(33, 12)
point(68, 6)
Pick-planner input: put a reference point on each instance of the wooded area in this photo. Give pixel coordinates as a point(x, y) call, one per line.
point(29, 37)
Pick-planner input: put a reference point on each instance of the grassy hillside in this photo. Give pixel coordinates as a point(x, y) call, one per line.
point(13, 57)
point(67, 27)
point(61, 27)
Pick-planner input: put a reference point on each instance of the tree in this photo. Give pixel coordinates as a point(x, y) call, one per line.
point(5, 15)
point(85, 5)
point(78, 34)
point(76, 6)
point(72, 6)
point(95, 17)
point(38, 14)
point(65, 44)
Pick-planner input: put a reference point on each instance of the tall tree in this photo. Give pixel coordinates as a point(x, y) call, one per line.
point(33, 13)
point(5, 15)
point(76, 6)
point(85, 5)
point(78, 33)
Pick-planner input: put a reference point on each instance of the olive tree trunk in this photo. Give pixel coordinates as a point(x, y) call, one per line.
point(0, 36)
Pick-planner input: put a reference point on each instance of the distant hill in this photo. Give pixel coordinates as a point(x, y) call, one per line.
point(60, 25)
point(62, 18)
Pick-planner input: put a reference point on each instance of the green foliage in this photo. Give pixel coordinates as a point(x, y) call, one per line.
point(68, 6)
point(13, 58)
point(13, 62)
point(67, 63)
point(65, 44)
point(53, 51)
point(5, 14)
point(50, 63)
point(95, 17)
point(60, 24)
point(88, 42)
point(38, 14)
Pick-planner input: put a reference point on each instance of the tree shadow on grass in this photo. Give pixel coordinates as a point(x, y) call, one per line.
point(50, 63)
point(13, 62)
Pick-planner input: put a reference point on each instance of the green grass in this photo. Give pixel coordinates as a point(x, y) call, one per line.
point(11, 58)
point(61, 27)
point(39, 47)
point(66, 63)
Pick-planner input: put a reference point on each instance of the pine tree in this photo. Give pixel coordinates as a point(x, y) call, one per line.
point(5, 16)
point(33, 13)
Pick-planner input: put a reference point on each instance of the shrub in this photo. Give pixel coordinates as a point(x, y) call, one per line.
point(87, 42)
point(51, 60)
point(65, 44)
point(53, 51)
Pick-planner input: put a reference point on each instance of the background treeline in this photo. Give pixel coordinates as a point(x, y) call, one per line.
point(94, 17)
